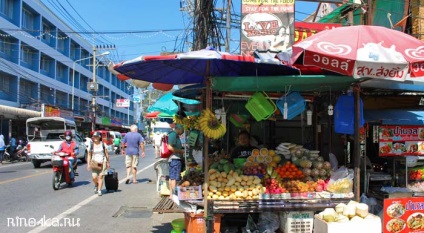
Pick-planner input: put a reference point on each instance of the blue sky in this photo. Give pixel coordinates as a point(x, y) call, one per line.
point(156, 27)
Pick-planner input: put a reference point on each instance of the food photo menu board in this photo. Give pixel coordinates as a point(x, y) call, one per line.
point(401, 140)
point(402, 215)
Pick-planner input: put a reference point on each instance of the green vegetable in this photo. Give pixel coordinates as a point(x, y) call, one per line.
point(223, 161)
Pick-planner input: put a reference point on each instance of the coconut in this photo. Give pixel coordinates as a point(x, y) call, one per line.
point(339, 208)
point(362, 210)
point(342, 218)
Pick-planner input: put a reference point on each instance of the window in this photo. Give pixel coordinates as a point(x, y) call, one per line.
point(45, 64)
point(27, 20)
point(60, 71)
point(61, 39)
point(6, 45)
point(4, 83)
point(26, 54)
point(6, 7)
point(46, 32)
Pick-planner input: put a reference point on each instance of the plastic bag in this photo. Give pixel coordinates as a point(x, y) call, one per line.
point(268, 222)
point(374, 206)
point(250, 226)
point(333, 161)
point(341, 181)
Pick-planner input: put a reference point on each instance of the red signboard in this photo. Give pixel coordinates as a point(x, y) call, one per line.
point(402, 215)
point(401, 140)
point(303, 30)
point(122, 103)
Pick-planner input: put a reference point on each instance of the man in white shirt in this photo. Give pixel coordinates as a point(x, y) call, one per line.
point(157, 139)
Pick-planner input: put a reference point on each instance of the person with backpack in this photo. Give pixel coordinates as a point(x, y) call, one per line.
point(134, 142)
point(98, 162)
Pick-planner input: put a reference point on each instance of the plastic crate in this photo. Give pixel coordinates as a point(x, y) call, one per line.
point(296, 104)
point(195, 223)
point(260, 106)
point(299, 222)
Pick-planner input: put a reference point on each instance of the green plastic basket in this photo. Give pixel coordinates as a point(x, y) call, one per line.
point(260, 106)
point(178, 224)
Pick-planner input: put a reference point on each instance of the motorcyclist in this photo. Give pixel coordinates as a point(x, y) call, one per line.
point(117, 143)
point(70, 147)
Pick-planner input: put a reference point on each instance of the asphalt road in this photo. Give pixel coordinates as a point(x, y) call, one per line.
point(28, 199)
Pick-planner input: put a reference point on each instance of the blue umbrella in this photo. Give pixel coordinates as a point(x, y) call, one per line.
point(194, 67)
point(170, 104)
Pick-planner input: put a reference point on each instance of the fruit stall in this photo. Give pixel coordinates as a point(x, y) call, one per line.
point(282, 178)
point(288, 179)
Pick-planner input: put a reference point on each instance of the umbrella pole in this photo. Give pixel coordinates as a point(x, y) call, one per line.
point(207, 98)
point(357, 144)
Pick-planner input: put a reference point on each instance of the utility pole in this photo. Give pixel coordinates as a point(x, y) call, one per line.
point(228, 27)
point(93, 98)
point(94, 86)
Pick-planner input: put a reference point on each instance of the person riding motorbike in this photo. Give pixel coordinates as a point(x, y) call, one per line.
point(71, 148)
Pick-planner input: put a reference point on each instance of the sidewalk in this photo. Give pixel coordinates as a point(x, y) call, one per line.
point(136, 202)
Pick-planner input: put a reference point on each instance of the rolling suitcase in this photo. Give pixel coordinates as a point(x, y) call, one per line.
point(111, 180)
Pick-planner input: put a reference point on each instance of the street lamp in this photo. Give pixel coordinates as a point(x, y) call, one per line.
point(73, 73)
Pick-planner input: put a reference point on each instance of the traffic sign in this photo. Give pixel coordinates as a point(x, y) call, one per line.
point(136, 98)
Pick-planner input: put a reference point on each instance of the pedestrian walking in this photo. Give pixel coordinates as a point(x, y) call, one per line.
point(98, 162)
point(13, 145)
point(2, 148)
point(176, 159)
point(134, 142)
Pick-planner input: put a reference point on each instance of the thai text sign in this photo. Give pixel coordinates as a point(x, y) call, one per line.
point(122, 103)
point(403, 215)
point(401, 140)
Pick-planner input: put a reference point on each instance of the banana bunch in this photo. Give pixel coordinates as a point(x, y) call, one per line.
point(210, 125)
point(178, 119)
point(190, 122)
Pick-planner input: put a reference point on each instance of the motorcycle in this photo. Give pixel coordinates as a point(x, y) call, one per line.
point(22, 153)
point(61, 170)
point(117, 149)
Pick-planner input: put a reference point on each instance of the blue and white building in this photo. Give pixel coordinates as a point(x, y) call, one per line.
point(44, 62)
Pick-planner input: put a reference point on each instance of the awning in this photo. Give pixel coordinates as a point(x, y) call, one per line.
point(335, 15)
point(395, 116)
point(14, 113)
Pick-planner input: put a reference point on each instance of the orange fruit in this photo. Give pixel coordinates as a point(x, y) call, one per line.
point(255, 152)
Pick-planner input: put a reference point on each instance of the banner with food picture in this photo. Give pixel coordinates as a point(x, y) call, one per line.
point(403, 215)
point(401, 140)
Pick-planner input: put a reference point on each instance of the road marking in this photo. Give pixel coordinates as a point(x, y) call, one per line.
point(24, 177)
point(79, 205)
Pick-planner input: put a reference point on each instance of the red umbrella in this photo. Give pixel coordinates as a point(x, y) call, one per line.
point(363, 51)
point(152, 115)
